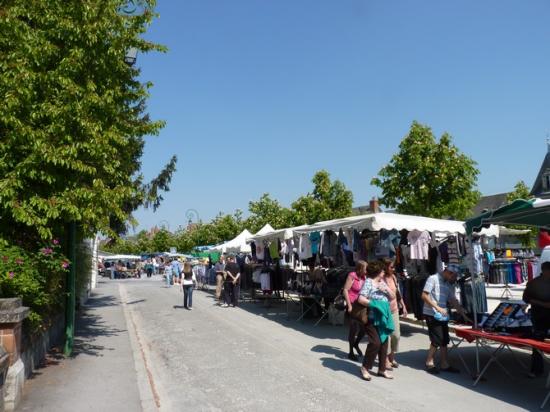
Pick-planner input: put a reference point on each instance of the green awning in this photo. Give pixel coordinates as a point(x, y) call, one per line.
point(533, 212)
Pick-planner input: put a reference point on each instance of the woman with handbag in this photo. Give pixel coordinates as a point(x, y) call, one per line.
point(396, 304)
point(375, 295)
point(352, 287)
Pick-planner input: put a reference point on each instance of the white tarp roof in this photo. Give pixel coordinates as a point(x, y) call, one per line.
point(118, 257)
point(390, 221)
point(235, 245)
point(265, 230)
point(283, 234)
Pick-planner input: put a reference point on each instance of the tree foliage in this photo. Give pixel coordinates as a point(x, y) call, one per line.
point(329, 200)
point(428, 177)
point(521, 191)
point(268, 211)
point(73, 116)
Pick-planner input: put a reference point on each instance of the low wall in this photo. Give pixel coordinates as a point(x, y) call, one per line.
point(34, 351)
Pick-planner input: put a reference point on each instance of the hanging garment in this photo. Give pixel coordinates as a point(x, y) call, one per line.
point(420, 242)
point(304, 251)
point(315, 239)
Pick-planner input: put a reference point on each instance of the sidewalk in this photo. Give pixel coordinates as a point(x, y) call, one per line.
point(101, 374)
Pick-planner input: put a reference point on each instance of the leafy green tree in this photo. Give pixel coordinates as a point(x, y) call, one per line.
point(329, 200)
point(428, 177)
point(162, 241)
point(521, 191)
point(73, 117)
point(266, 210)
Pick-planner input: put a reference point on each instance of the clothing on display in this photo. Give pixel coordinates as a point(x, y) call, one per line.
point(419, 242)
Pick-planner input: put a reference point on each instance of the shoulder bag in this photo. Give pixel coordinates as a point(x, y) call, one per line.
point(359, 312)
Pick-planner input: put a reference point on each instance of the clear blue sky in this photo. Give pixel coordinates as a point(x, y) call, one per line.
point(259, 95)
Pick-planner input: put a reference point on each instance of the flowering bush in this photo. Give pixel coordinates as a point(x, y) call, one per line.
point(37, 278)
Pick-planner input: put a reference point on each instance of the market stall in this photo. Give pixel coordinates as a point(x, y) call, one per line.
point(536, 213)
point(236, 245)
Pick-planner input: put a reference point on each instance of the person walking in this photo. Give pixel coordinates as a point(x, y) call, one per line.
point(391, 281)
point(168, 274)
point(232, 282)
point(188, 282)
point(352, 287)
point(438, 293)
point(220, 276)
point(376, 295)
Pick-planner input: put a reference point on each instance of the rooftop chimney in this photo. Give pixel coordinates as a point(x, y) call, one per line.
point(374, 206)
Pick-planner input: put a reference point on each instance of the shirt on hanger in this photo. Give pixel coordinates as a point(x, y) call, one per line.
point(420, 243)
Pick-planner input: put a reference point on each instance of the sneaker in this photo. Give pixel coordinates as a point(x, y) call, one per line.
point(225, 305)
point(190, 308)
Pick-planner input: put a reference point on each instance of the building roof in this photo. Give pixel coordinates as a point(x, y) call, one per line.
point(538, 190)
point(489, 203)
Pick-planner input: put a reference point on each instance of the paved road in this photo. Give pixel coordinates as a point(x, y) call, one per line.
point(255, 358)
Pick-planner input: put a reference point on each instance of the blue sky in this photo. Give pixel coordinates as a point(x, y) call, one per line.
point(259, 95)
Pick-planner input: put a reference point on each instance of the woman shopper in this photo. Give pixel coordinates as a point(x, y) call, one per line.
point(188, 281)
point(391, 280)
point(352, 287)
point(376, 295)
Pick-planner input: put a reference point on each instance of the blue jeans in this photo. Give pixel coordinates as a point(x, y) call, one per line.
point(168, 278)
point(187, 296)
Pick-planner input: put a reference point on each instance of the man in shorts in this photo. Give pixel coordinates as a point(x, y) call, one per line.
point(437, 294)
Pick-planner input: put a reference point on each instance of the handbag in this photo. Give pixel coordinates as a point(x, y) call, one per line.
point(340, 302)
point(359, 313)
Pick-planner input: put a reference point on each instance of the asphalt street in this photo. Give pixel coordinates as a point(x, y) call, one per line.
point(257, 358)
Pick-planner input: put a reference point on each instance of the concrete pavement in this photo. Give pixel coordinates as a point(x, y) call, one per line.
point(256, 358)
point(101, 374)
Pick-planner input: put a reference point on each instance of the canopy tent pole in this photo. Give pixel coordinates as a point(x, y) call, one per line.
point(474, 298)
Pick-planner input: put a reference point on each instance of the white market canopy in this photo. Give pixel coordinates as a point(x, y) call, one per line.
point(118, 257)
point(265, 230)
point(236, 245)
point(391, 221)
point(282, 234)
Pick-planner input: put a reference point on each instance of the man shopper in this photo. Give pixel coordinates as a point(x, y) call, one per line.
point(437, 294)
point(537, 294)
point(220, 275)
point(232, 282)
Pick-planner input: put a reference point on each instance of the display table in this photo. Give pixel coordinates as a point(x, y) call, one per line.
point(504, 342)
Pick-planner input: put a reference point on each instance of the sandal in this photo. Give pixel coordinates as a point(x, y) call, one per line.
point(365, 374)
point(394, 364)
point(385, 375)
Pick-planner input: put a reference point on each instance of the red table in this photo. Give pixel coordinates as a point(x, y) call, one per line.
point(505, 342)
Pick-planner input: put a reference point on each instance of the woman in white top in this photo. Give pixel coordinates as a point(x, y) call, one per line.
point(188, 281)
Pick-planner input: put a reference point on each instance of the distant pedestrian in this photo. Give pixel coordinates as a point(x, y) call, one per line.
point(149, 268)
point(352, 287)
point(175, 267)
point(168, 274)
point(232, 283)
point(188, 282)
point(220, 276)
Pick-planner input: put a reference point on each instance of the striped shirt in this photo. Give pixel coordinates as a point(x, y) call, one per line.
point(440, 292)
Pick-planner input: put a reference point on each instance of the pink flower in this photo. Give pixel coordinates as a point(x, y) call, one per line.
point(55, 242)
point(65, 265)
point(11, 275)
point(19, 261)
point(47, 251)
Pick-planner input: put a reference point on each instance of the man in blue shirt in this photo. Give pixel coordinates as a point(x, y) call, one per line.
point(438, 292)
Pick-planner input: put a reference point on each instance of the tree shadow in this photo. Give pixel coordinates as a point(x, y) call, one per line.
point(89, 328)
